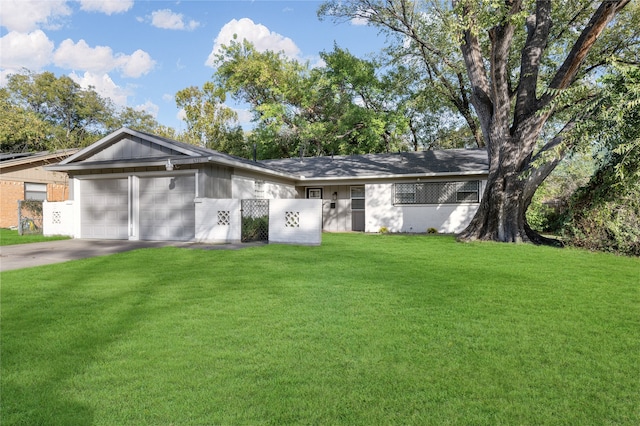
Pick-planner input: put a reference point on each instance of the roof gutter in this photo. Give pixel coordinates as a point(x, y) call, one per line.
point(312, 180)
point(175, 161)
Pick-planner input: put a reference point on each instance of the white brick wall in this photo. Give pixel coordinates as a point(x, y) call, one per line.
point(295, 221)
point(217, 220)
point(58, 218)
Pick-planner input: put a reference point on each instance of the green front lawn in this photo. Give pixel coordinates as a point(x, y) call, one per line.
point(10, 236)
point(363, 330)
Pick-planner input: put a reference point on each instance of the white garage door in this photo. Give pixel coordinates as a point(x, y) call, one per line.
point(104, 209)
point(167, 208)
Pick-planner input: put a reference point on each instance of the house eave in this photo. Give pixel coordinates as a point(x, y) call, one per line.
point(254, 168)
point(176, 162)
point(111, 165)
point(306, 181)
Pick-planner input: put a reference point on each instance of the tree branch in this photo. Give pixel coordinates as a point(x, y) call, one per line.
point(568, 70)
point(481, 91)
point(538, 27)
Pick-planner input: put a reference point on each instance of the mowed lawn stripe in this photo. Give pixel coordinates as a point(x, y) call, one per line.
point(365, 329)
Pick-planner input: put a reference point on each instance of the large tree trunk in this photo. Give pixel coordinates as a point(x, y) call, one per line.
point(501, 214)
point(511, 131)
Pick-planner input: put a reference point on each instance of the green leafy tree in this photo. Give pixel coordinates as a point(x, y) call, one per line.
point(361, 111)
point(133, 119)
point(21, 130)
point(209, 122)
point(527, 81)
point(271, 84)
point(605, 213)
point(45, 112)
point(75, 116)
point(341, 108)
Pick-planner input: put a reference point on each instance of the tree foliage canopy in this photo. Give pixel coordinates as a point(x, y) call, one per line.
point(605, 213)
point(341, 108)
point(45, 112)
point(520, 71)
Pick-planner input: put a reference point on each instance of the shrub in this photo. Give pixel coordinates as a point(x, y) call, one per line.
point(432, 231)
point(383, 230)
point(255, 229)
point(605, 215)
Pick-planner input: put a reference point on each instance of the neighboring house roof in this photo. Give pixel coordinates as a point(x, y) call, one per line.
point(422, 163)
point(12, 161)
point(109, 152)
point(14, 155)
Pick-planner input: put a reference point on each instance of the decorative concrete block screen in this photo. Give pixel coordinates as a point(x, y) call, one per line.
point(218, 220)
point(291, 221)
point(58, 218)
point(296, 221)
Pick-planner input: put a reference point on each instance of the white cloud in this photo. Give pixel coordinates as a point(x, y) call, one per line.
point(148, 107)
point(168, 20)
point(108, 7)
point(101, 59)
point(359, 21)
point(245, 117)
point(19, 50)
point(103, 85)
point(137, 64)
point(28, 15)
point(363, 17)
point(4, 77)
point(261, 37)
point(81, 56)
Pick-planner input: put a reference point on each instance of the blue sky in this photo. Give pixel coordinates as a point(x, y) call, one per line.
point(140, 53)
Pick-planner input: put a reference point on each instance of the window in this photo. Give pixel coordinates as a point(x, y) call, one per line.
point(357, 198)
point(437, 192)
point(35, 191)
point(314, 193)
point(405, 193)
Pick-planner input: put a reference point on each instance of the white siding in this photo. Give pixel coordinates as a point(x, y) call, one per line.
point(244, 189)
point(446, 218)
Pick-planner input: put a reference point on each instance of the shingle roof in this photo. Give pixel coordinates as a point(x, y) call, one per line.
point(10, 160)
point(378, 165)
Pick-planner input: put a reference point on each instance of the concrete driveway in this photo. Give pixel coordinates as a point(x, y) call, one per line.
point(36, 254)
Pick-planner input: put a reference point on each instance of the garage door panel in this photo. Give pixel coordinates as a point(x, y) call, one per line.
point(167, 208)
point(104, 209)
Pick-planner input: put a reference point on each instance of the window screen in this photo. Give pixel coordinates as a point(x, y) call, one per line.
point(437, 192)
